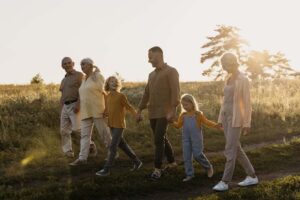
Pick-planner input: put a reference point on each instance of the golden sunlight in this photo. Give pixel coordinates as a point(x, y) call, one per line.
point(33, 156)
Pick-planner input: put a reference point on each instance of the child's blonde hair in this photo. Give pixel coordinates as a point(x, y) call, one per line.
point(189, 98)
point(116, 86)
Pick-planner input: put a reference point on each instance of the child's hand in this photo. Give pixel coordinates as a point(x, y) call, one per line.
point(220, 127)
point(139, 117)
point(171, 121)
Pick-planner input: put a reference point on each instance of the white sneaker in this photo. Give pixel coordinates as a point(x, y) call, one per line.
point(188, 178)
point(248, 181)
point(221, 186)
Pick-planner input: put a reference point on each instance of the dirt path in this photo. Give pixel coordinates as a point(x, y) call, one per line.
point(250, 147)
point(196, 192)
point(187, 193)
point(182, 195)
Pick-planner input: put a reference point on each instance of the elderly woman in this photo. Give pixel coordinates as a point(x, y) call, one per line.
point(92, 106)
point(235, 117)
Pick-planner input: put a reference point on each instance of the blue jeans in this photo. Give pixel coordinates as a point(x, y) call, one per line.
point(192, 143)
point(119, 141)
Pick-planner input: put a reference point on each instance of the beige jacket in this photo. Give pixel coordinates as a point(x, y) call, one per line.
point(91, 93)
point(241, 103)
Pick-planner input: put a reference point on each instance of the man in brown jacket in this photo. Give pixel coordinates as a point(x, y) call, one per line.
point(161, 96)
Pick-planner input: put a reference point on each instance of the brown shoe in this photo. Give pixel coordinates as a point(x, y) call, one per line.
point(78, 162)
point(69, 154)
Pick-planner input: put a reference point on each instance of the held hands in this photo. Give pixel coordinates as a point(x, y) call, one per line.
point(76, 107)
point(105, 113)
point(139, 116)
point(171, 115)
point(220, 127)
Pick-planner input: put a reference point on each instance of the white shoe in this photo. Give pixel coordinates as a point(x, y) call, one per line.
point(188, 178)
point(221, 186)
point(248, 181)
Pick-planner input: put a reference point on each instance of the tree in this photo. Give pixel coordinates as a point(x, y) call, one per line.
point(227, 39)
point(257, 64)
point(263, 65)
point(37, 79)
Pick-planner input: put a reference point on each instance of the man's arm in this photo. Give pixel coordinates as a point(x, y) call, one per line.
point(173, 79)
point(143, 103)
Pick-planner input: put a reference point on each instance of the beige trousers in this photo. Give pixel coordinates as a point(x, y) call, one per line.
point(69, 122)
point(86, 134)
point(233, 150)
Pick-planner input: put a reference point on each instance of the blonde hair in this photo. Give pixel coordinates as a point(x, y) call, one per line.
point(229, 57)
point(189, 98)
point(116, 87)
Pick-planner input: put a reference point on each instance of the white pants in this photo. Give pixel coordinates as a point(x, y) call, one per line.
point(86, 134)
point(69, 122)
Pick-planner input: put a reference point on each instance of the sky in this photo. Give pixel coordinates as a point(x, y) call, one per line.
point(116, 34)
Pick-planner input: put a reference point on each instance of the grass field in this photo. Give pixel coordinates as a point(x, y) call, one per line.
point(32, 165)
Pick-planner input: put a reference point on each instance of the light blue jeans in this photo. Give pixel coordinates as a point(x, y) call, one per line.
point(192, 143)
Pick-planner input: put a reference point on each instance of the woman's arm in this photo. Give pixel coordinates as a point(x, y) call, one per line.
point(247, 103)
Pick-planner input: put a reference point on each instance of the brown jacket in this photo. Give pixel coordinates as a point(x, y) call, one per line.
point(162, 92)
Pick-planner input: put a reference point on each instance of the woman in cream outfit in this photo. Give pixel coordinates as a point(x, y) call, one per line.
point(92, 106)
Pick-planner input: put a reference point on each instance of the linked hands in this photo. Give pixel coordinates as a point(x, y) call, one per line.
point(220, 127)
point(139, 116)
point(77, 107)
point(171, 115)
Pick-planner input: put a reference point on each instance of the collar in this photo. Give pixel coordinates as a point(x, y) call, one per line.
point(71, 73)
point(239, 76)
point(162, 68)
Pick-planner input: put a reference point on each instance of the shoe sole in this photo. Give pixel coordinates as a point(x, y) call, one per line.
point(220, 190)
point(77, 164)
point(102, 175)
point(247, 185)
point(154, 179)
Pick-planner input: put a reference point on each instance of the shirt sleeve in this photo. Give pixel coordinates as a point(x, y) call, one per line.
point(127, 105)
point(203, 120)
point(145, 99)
point(247, 103)
point(80, 77)
point(179, 122)
point(100, 81)
point(174, 87)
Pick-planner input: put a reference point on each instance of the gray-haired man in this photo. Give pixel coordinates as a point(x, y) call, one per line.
point(70, 113)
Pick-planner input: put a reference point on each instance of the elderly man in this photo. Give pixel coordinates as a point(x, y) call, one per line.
point(70, 115)
point(161, 95)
